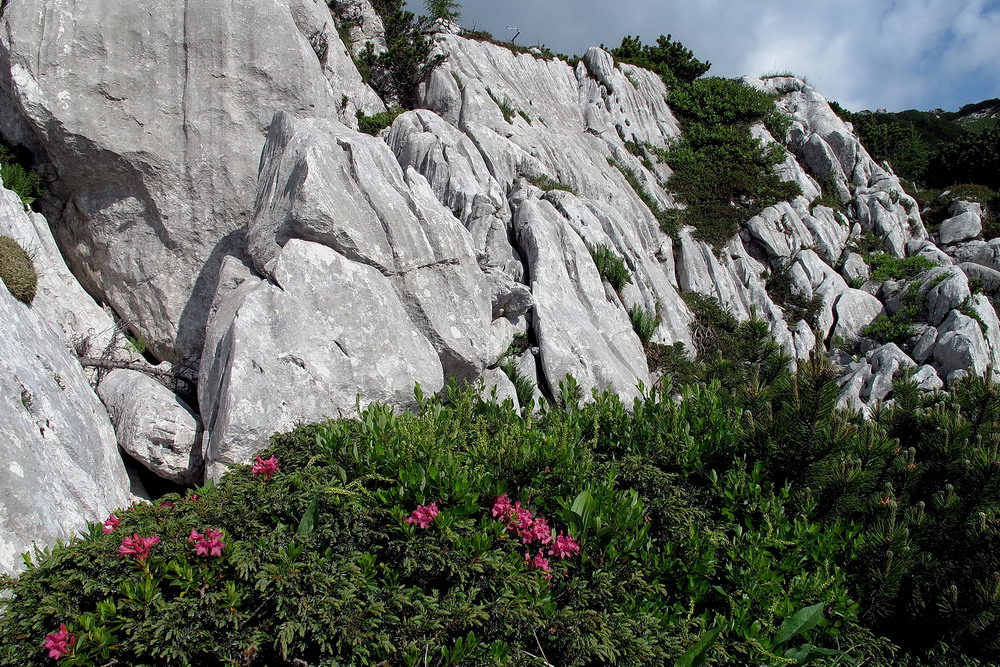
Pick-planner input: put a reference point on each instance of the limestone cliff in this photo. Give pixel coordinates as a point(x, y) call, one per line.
point(208, 185)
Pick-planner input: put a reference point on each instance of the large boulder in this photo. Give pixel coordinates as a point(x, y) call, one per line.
point(61, 466)
point(962, 227)
point(322, 336)
point(151, 117)
point(153, 426)
point(960, 346)
point(326, 183)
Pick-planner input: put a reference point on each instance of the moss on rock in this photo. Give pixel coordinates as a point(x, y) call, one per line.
point(16, 270)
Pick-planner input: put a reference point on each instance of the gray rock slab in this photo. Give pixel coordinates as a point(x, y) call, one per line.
point(61, 467)
point(580, 331)
point(325, 334)
point(323, 182)
point(152, 115)
point(962, 227)
point(960, 346)
point(153, 425)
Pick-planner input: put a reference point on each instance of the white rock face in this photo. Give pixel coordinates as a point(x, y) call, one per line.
point(960, 346)
point(304, 345)
point(59, 299)
point(153, 425)
point(153, 114)
point(962, 227)
point(61, 466)
point(322, 182)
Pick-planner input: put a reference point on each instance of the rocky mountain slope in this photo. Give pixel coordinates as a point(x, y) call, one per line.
point(209, 188)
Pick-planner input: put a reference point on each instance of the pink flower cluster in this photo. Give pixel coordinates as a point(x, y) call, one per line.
point(138, 546)
point(423, 516)
point(265, 468)
point(208, 543)
point(529, 528)
point(110, 523)
point(59, 643)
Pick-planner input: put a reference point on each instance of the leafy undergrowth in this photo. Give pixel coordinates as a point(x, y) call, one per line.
point(746, 523)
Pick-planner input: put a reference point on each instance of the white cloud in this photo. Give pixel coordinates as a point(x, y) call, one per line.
point(864, 53)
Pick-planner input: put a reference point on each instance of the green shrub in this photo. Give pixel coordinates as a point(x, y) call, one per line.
point(722, 174)
point(17, 270)
point(886, 267)
point(547, 183)
point(672, 61)
point(319, 564)
point(827, 195)
point(888, 329)
point(443, 9)
point(796, 306)
point(396, 72)
point(377, 122)
point(524, 388)
point(610, 266)
point(644, 322)
point(16, 173)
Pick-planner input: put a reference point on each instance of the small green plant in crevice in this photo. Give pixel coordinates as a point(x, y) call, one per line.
point(644, 322)
point(524, 388)
point(888, 329)
point(377, 122)
point(610, 266)
point(17, 175)
point(827, 195)
point(137, 344)
point(795, 305)
point(967, 309)
point(546, 183)
point(668, 220)
point(17, 271)
point(886, 267)
point(507, 108)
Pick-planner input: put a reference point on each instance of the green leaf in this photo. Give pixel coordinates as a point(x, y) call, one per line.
point(697, 654)
point(806, 653)
point(308, 522)
point(799, 622)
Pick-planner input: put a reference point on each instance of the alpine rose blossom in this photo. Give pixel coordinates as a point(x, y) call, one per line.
point(208, 543)
point(423, 516)
point(265, 468)
point(138, 546)
point(59, 643)
point(110, 523)
point(502, 508)
point(540, 562)
point(564, 546)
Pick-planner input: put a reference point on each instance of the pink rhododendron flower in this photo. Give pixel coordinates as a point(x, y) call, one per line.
point(539, 561)
point(423, 516)
point(538, 531)
point(265, 468)
point(502, 508)
point(564, 546)
point(138, 546)
point(59, 643)
point(167, 505)
point(208, 543)
point(190, 499)
point(110, 523)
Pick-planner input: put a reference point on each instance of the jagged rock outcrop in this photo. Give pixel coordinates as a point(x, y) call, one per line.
point(150, 117)
point(61, 465)
point(153, 425)
point(320, 335)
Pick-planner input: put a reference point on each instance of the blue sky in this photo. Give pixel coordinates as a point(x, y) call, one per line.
point(866, 54)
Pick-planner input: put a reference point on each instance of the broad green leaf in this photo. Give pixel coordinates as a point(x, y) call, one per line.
point(697, 654)
point(799, 622)
point(308, 522)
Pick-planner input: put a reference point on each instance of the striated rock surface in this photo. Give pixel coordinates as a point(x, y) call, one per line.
point(154, 132)
point(61, 466)
point(321, 335)
point(153, 426)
